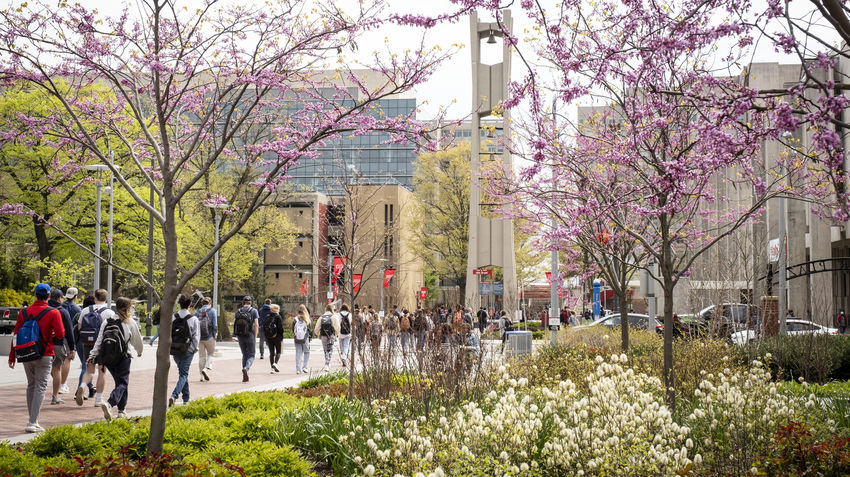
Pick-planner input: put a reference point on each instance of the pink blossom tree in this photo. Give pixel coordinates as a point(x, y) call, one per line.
point(192, 87)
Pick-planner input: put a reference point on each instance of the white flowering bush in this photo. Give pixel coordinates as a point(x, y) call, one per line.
point(620, 426)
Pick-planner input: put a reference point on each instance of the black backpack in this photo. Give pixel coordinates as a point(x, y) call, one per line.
point(90, 326)
point(181, 336)
point(204, 324)
point(327, 328)
point(242, 322)
point(344, 323)
point(113, 345)
point(271, 328)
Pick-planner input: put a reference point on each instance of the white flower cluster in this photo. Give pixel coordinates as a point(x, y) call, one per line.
point(620, 427)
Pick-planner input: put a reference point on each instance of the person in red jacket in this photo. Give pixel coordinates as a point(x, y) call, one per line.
point(38, 371)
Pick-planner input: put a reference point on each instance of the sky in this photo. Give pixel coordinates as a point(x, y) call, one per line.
point(450, 87)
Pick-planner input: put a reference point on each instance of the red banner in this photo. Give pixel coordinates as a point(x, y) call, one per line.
point(549, 277)
point(339, 262)
point(304, 287)
point(481, 271)
point(356, 279)
point(388, 275)
point(423, 293)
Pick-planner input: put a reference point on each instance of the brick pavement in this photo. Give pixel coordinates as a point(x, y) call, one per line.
point(226, 378)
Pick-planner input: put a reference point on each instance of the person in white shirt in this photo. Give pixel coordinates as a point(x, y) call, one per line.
point(119, 367)
point(327, 328)
point(185, 336)
point(88, 330)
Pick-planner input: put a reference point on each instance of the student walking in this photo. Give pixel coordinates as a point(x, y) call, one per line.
point(273, 330)
point(185, 336)
point(245, 328)
point(88, 301)
point(301, 331)
point(63, 349)
point(208, 329)
point(74, 312)
point(91, 320)
point(327, 328)
point(345, 324)
point(113, 350)
point(262, 313)
point(35, 330)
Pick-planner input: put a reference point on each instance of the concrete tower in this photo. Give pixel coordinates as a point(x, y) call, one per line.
point(491, 240)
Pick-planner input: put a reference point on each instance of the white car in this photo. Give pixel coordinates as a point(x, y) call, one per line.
point(795, 328)
point(636, 321)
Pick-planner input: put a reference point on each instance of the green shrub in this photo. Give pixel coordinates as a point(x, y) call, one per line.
point(185, 436)
point(815, 358)
point(206, 408)
point(65, 440)
point(9, 297)
point(257, 458)
point(340, 376)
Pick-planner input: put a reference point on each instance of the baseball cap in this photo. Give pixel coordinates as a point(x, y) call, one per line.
point(42, 289)
point(55, 293)
point(247, 298)
point(71, 292)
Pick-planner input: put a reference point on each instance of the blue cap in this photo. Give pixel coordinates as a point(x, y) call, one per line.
point(42, 289)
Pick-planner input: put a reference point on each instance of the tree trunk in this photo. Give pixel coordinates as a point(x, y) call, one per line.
point(44, 246)
point(163, 356)
point(669, 383)
point(624, 318)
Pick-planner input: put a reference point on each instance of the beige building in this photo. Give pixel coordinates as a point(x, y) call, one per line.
point(367, 224)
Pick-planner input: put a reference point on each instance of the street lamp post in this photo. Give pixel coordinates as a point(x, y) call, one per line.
point(99, 168)
point(111, 192)
point(782, 305)
point(383, 272)
point(217, 208)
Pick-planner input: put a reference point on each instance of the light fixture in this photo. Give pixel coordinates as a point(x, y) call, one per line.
point(491, 39)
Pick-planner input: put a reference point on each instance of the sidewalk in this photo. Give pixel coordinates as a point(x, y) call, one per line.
point(225, 378)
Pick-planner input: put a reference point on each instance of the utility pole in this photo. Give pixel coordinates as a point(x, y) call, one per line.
point(554, 306)
point(783, 326)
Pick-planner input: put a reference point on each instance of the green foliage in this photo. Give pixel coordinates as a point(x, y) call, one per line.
point(815, 358)
point(340, 376)
point(257, 457)
point(9, 297)
point(796, 452)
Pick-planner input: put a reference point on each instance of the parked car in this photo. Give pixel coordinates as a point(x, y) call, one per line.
point(8, 317)
point(636, 320)
point(795, 328)
point(734, 316)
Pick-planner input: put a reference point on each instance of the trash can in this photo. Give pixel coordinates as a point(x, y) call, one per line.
point(519, 343)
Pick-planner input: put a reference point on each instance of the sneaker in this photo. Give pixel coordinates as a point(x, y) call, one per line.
point(344, 363)
point(326, 368)
point(107, 413)
point(261, 356)
point(205, 375)
point(304, 370)
point(123, 415)
point(33, 428)
point(63, 389)
point(297, 371)
point(56, 400)
point(274, 367)
point(98, 402)
point(78, 396)
point(91, 392)
point(244, 375)
point(171, 401)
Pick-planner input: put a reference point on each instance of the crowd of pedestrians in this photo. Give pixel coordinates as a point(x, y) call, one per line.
point(54, 330)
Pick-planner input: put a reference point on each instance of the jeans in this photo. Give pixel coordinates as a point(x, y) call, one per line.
point(344, 347)
point(328, 347)
point(83, 354)
point(155, 336)
point(405, 341)
point(392, 340)
point(206, 348)
point(37, 373)
point(274, 349)
point(263, 341)
point(302, 355)
point(248, 345)
point(121, 374)
point(183, 363)
point(420, 339)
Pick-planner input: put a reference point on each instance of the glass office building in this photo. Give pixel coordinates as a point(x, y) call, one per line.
point(361, 159)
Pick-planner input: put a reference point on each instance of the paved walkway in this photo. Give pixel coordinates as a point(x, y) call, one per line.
point(226, 378)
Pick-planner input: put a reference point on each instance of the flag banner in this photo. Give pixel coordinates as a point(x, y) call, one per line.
point(339, 262)
point(423, 293)
point(356, 279)
point(388, 275)
point(549, 277)
point(482, 271)
point(304, 287)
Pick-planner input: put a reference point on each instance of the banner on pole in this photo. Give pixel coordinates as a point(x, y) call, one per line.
point(304, 286)
point(549, 277)
point(356, 279)
point(388, 275)
point(339, 262)
point(423, 293)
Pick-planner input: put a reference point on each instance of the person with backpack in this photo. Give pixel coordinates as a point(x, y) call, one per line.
point(404, 332)
point(262, 313)
point(36, 328)
point(841, 322)
point(358, 322)
point(327, 329)
point(273, 330)
point(91, 319)
point(376, 331)
point(112, 349)
point(345, 324)
point(208, 329)
point(185, 336)
point(301, 333)
point(505, 325)
point(88, 301)
point(420, 327)
point(73, 312)
point(483, 318)
point(63, 349)
point(245, 328)
point(391, 324)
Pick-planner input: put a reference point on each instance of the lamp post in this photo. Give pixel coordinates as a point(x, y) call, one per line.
point(383, 272)
point(99, 168)
point(148, 324)
point(783, 305)
point(555, 282)
point(217, 208)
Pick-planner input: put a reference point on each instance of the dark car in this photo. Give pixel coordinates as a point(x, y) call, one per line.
point(8, 317)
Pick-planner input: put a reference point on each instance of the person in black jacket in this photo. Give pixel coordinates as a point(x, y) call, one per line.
point(63, 349)
point(274, 335)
